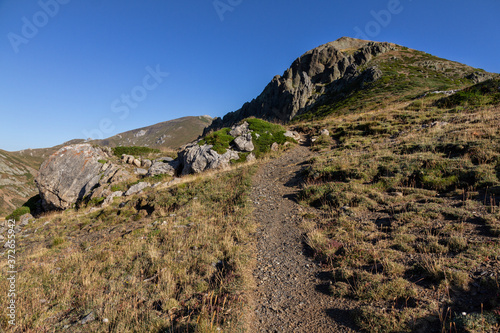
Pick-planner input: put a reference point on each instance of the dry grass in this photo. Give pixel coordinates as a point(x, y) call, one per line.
point(170, 260)
point(410, 203)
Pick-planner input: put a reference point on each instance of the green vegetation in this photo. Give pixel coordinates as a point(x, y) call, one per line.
point(264, 134)
point(134, 151)
point(482, 94)
point(16, 214)
point(220, 140)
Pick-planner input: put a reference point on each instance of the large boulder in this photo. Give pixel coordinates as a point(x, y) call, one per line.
point(72, 173)
point(195, 159)
point(244, 142)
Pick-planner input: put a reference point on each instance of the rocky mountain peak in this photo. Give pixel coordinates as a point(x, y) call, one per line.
point(326, 67)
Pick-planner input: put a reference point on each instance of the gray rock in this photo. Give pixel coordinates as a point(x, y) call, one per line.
point(160, 168)
point(134, 189)
point(70, 174)
point(164, 159)
point(146, 164)
point(251, 157)
point(140, 171)
point(244, 142)
point(100, 192)
point(275, 146)
point(129, 159)
point(25, 219)
point(325, 132)
point(318, 73)
point(292, 134)
point(88, 318)
point(196, 159)
point(110, 197)
point(238, 130)
point(478, 77)
point(137, 162)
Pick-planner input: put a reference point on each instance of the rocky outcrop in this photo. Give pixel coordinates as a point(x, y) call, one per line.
point(163, 168)
point(244, 142)
point(326, 69)
point(72, 173)
point(134, 189)
point(196, 158)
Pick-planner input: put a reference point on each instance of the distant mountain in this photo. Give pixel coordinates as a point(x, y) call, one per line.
point(18, 169)
point(167, 135)
point(349, 74)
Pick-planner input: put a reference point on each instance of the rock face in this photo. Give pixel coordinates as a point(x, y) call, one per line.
point(71, 173)
point(196, 159)
point(325, 69)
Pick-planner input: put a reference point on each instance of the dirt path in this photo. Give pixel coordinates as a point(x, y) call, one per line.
point(289, 295)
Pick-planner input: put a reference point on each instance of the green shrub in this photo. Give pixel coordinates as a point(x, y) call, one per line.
point(220, 140)
point(134, 150)
point(18, 213)
point(265, 134)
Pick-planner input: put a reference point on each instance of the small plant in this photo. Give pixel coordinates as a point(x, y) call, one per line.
point(16, 214)
point(56, 241)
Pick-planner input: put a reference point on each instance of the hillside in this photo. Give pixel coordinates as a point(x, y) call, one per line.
point(383, 215)
point(16, 180)
point(166, 135)
point(19, 169)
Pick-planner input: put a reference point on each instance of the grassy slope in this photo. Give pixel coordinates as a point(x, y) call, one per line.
point(175, 133)
point(410, 198)
point(174, 259)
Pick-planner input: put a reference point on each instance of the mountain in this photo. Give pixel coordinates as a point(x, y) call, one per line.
point(165, 135)
point(349, 74)
point(19, 169)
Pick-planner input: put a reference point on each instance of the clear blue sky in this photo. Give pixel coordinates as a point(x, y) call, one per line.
point(69, 68)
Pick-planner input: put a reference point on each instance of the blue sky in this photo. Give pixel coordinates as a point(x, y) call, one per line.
point(73, 69)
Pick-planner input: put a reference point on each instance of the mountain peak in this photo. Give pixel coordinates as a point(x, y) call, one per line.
point(333, 72)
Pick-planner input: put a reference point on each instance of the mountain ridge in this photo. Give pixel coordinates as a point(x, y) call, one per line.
point(333, 71)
